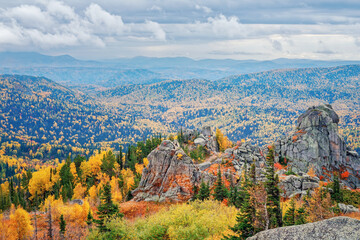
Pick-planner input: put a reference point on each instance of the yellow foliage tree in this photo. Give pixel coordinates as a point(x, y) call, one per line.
point(93, 194)
point(319, 206)
point(129, 180)
point(139, 168)
point(20, 224)
point(40, 181)
point(79, 191)
point(146, 162)
point(93, 166)
point(222, 140)
point(115, 190)
point(311, 172)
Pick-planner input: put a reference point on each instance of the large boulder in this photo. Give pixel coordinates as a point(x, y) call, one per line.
point(170, 175)
point(318, 144)
point(341, 228)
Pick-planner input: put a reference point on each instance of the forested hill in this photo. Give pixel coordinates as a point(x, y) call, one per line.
point(37, 112)
point(259, 106)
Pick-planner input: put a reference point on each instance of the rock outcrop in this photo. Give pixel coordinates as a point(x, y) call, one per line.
point(206, 138)
point(297, 185)
point(317, 144)
point(170, 175)
point(347, 208)
point(343, 228)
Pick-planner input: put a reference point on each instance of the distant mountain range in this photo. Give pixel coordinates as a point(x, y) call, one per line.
point(69, 71)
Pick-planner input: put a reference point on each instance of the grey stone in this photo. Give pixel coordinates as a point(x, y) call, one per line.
point(340, 228)
point(200, 141)
point(309, 185)
point(77, 201)
point(163, 179)
point(347, 208)
point(317, 143)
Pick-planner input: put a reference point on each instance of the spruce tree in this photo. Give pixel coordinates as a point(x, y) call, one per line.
point(204, 191)
point(196, 191)
point(107, 209)
point(220, 191)
point(300, 216)
point(120, 159)
point(66, 179)
point(273, 192)
point(89, 218)
point(62, 226)
point(244, 226)
point(289, 218)
point(336, 193)
point(253, 172)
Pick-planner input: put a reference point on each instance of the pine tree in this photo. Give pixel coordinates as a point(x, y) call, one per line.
point(289, 218)
point(204, 191)
point(244, 226)
point(107, 209)
point(253, 172)
point(336, 193)
point(220, 191)
point(300, 216)
point(108, 162)
point(66, 179)
point(196, 191)
point(273, 192)
point(89, 219)
point(120, 158)
point(62, 226)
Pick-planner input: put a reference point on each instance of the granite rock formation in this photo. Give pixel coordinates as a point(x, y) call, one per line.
point(297, 185)
point(334, 228)
point(206, 138)
point(318, 144)
point(170, 175)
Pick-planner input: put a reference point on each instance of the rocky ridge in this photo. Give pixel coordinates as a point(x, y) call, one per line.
point(333, 228)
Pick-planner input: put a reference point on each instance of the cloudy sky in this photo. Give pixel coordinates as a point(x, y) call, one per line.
point(237, 29)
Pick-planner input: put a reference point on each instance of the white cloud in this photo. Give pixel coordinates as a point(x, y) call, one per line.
point(222, 29)
point(103, 22)
point(229, 27)
point(203, 8)
point(156, 29)
point(52, 24)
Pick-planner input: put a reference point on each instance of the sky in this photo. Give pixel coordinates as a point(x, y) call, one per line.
point(199, 29)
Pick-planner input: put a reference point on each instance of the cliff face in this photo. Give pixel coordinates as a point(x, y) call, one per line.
point(170, 175)
point(317, 144)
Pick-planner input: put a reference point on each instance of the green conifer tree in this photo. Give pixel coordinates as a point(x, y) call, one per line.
point(273, 192)
point(289, 218)
point(300, 216)
point(66, 179)
point(336, 193)
point(244, 226)
point(62, 226)
point(220, 191)
point(107, 209)
point(204, 191)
